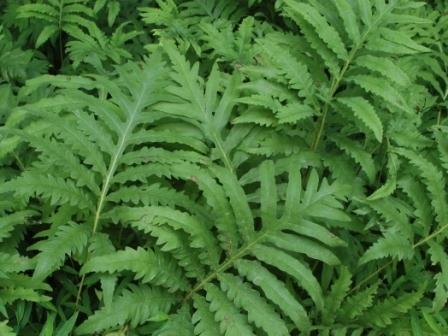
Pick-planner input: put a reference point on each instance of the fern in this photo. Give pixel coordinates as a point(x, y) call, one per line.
point(94, 48)
point(180, 20)
point(135, 305)
point(59, 16)
point(348, 46)
point(223, 167)
point(15, 62)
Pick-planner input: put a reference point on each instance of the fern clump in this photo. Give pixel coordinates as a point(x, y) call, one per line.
point(223, 167)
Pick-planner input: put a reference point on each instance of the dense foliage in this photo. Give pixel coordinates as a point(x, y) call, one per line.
point(223, 167)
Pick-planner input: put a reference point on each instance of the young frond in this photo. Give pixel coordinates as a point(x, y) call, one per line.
point(58, 16)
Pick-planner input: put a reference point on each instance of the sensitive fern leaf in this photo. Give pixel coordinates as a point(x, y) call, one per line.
point(203, 318)
point(364, 111)
point(434, 181)
point(235, 168)
point(144, 263)
point(326, 32)
point(232, 322)
point(384, 312)
point(134, 306)
point(68, 239)
point(59, 15)
point(259, 311)
point(393, 244)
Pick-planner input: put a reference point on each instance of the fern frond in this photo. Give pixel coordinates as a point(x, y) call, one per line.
point(67, 240)
point(378, 87)
point(362, 157)
point(223, 167)
point(144, 263)
point(438, 256)
point(9, 222)
point(274, 291)
point(434, 181)
point(57, 190)
point(393, 244)
point(383, 313)
point(203, 318)
point(336, 296)
point(326, 32)
point(14, 263)
point(298, 270)
point(134, 305)
point(385, 67)
point(58, 16)
point(231, 321)
point(364, 111)
point(12, 294)
point(259, 311)
point(355, 305)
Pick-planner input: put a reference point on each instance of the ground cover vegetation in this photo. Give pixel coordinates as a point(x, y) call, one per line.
point(223, 167)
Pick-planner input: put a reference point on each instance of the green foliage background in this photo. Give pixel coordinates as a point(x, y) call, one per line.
point(223, 167)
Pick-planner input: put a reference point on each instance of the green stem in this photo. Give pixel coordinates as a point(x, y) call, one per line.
point(431, 236)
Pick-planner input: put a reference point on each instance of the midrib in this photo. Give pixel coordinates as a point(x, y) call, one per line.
point(115, 159)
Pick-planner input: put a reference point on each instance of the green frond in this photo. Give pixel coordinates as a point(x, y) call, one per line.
point(364, 111)
point(155, 194)
point(68, 239)
point(12, 294)
point(223, 167)
point(201, 237)
point(9, 222)
point(58, 16)
point(323, 29)
point(56, 189)
point(391, 184)
point(439, 256)
point(393, 244)
point(135, 305)
point(64, 159)
point(362, 157)
point(259, 311)
point(309, 247)
point(383, 313)
point(231, 321)
point(442, 145)
point(348, 15)
point(385, 67)
point(296, 73)
point(177, 324)
point(203, 318)
point(14, 263)
point(415, 190)
point(434, 181)
point(337, 295)
point(145, 265)
point(356, 304)
point(275, 291)
point(238, 201)
point(377, 86)
point(294, 267)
